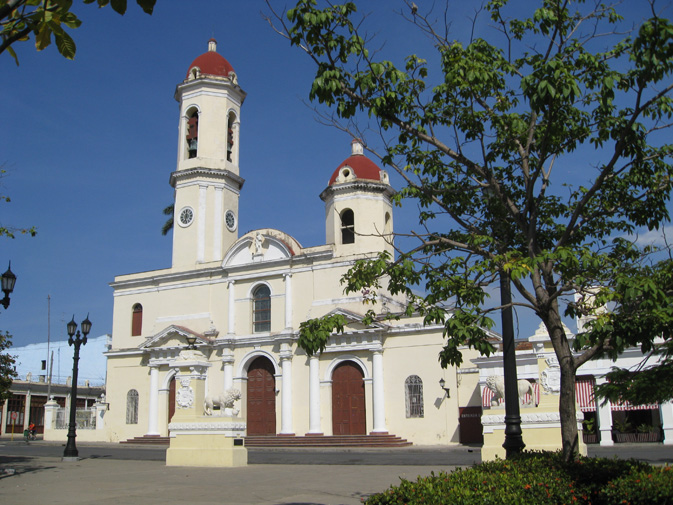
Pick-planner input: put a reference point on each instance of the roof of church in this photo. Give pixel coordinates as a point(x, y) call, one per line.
point(211, 62)
point(362, 167)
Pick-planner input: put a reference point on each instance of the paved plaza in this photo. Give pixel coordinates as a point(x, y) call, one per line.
point(111, 474)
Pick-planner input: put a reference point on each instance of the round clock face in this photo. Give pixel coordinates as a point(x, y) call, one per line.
point(186, 216)
point(230, 220)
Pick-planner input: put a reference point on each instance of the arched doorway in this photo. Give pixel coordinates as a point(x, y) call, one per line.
point(261, 403)
point(348, 400)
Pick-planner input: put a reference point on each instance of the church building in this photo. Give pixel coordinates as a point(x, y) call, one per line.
point(240, 299)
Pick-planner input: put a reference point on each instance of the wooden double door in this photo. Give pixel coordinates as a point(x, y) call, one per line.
point(348, 400)
point(261, 398)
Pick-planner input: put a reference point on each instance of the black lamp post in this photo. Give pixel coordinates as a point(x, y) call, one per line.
point(70, 453)
point(8, 281)
point(513, 440)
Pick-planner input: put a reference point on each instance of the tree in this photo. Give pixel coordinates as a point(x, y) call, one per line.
point(644, 308)
point(7, 372)
point(168, 225)
point(535, 152)
point(44, 18)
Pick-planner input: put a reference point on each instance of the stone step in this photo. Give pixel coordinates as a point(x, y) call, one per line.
point(326, 441)
point(292, 441)
point(148, 440)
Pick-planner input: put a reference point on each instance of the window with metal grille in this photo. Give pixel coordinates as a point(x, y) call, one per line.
point(132, 407)
point(413, 387)
point(137, 320)
point(261, 309)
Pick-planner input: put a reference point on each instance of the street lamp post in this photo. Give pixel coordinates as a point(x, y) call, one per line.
point(513, 440)
point(70, 453)
point(8, 282)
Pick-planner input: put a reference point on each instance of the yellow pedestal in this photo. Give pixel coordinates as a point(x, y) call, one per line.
point(540, 429)
point(206, 450)
point(197, 439)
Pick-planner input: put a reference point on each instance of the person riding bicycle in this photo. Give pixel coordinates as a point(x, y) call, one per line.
point(32, 430)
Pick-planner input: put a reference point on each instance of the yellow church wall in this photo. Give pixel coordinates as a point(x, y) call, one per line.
point(126, 373)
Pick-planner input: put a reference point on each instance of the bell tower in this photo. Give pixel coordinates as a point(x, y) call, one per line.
point(358, 206)
point(207, 181)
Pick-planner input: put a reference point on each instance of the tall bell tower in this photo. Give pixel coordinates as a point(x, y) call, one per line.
point(207, 181)
point(358, 206)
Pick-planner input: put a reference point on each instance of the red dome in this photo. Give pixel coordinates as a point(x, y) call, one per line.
point(363, 167)
point(211, 62)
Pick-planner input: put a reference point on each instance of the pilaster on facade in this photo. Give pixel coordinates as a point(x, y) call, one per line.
point(666, 410)
point(228, 369)
point(231, 312)
point(286, 398)
point(314, 424)
point(288, 300)
point(153, 408)
point(378, 391)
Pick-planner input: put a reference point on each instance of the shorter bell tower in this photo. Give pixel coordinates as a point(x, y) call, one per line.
point(207, 181)
point(358, 206)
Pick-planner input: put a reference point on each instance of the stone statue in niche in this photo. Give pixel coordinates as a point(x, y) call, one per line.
point(496, 383)
point(225, 402)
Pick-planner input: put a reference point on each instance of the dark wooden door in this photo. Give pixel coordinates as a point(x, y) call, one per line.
point(348, 400)
point(171, 399)
point(470, 426)
point(261, 403)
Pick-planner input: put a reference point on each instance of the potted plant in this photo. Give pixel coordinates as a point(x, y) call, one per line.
point(589, 431)
point(624, 431)
point(647, 433)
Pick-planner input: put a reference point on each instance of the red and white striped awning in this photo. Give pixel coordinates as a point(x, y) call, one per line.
point(584, 391)
point(487, 396)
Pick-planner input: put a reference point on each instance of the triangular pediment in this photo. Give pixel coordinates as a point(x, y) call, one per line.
point(173, 336)
point(355, 322)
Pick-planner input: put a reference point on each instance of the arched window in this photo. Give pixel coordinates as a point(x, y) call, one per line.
point(193, 134)
point(347, 227)
point(413, 388)
point(137, 320)
point(132, 407)
point(230, 135)
point(261, 308)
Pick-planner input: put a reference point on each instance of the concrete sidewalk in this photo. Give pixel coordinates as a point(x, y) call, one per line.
point(40, 480)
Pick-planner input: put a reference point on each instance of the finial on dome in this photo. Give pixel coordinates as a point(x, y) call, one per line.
point(212, 46)
point(357, 148)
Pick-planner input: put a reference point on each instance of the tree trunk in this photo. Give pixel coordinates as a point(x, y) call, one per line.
point(567, 404)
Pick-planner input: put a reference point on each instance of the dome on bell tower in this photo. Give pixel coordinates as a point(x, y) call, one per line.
point(356, 166)
point(210, 63)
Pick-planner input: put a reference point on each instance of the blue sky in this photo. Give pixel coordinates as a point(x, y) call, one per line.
point(89, 146)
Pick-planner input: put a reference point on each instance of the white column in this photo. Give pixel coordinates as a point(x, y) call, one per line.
point(153, 414)
point(228, 366)
point(232, 318)
point(314, 396)
point(666, 412)
point(201, 224)
point(286, 403)
point(378, 392)
point(604, 419)
point(26, 409)
point(218, 223)
point(288, 301)
point(163, 420)
point(3, 419)
point(101, 408)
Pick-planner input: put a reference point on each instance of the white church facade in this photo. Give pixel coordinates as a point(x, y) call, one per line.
point(242, 299)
